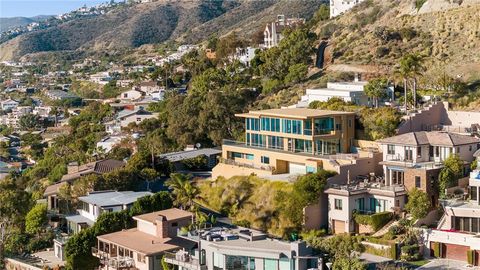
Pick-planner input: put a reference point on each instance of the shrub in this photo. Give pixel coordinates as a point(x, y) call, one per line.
point(470, 257)
point(382, 51)
point(242, 223)
point(436, 249)
point(271, 85)
point(376, 221)
point(394, 251)
point(396, 229)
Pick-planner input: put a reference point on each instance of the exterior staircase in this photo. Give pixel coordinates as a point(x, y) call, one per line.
point(385, 228)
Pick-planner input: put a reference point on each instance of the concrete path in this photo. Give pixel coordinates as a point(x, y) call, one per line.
point(444, 264)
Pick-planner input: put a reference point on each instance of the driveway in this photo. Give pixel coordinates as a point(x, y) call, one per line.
point(439, 264)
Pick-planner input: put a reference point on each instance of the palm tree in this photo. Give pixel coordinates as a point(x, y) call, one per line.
point(55, 112)
point(376, 89)
point(411, 67)
point(184, 192)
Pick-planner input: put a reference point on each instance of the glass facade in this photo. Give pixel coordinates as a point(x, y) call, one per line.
point(275, 142)
point(252, 124)
point(324, 125)
point(327, 147)
point(291, 126)
point(467, 224)
point(270, 124)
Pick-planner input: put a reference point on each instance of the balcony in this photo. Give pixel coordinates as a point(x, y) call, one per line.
point(114, 262)
point(185, 260)
point(397, 159)
point(62, 238)
point(267, 168)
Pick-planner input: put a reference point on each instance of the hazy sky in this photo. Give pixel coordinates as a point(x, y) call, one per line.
point(30, 8)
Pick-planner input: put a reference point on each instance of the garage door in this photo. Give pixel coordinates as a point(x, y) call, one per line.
point(296, 168)
point(455, 252)
point(338, 226)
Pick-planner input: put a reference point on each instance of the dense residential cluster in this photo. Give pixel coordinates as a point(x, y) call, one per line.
point(203, 157)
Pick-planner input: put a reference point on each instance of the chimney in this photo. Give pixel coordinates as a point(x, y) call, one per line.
point(357, 77)
point(72, 167)
point(162, 227)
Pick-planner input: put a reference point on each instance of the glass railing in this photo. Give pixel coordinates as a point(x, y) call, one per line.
point(323, 131)
point(307, 132)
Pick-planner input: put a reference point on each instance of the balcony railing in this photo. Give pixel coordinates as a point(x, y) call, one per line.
point(113, 261)
point(62, 238)
point(183, 259)
point(247, 165)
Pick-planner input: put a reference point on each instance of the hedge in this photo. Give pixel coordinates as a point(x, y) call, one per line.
point(436, 249)
point(376, 221)
point(470, 257)
point(394, 251)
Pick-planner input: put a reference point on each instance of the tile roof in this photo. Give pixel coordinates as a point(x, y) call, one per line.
point(144, 243)
point(437, 138)
point(100, 167)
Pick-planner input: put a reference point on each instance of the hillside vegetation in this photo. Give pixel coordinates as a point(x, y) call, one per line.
point(378, 33)
point(151, 23)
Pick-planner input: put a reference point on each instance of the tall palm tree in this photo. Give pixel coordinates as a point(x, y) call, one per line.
point(412, 65)
point(184, 192)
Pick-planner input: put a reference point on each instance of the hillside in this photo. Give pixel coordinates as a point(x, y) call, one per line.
point(376, 34)
point(13, 22)
point(149, 23)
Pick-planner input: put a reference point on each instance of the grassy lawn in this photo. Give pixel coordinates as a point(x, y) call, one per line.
point(419, 263)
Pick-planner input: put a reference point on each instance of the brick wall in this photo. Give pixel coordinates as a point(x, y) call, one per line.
point(426, 177)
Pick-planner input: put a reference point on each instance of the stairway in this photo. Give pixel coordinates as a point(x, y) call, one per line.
point(385, 228)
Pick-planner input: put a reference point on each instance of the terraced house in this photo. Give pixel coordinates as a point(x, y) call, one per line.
point(287, 141)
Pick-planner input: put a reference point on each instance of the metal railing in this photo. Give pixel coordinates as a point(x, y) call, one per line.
point(247, 165)
point(182, 259)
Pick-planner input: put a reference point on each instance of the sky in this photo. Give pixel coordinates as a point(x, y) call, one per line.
point(30, 8)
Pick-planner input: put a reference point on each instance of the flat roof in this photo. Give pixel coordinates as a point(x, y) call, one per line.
point(78, 219)
point(169, 214)
point(300, 113)
point(113, 197)
point(182, 155)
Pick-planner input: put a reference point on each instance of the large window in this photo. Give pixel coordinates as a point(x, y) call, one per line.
point(291, 126)
point(360, 204)
point(218, 261)
point(270, 264)
point(256, 140)
point(284, 264)
point(270, 124)
point(327, 147)
point(323, 125)
point(236, 262)
point(275, 142)
point(252, 124)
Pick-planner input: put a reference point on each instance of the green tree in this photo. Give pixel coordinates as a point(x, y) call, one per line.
point(376, 89)
point(343, 249)
point(380, 123)
point(412, 67)
point(296, 73)
point(183, 191)
point(36, 219)
point(418, 204)
point(29, 121)
point(451, 172)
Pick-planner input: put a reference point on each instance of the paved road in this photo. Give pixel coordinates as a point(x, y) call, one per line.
point(443, 264)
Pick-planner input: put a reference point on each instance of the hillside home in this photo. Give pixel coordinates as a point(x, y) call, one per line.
point(244, 55)
point(149, 87)
point(9, 104)
point(273, 31)
point(127, 116)
point(75, 171)
point(90, 208)
point(348, 91)
point(338, 7)
point(363, 198)
point(458, 230)
point(107, 143)
point(415, 159)
point(176, 159)
point(131, 95)
point(95, 203)
point(101, 78)
point(240, 248)
point(143, 247)
point(286, 141)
